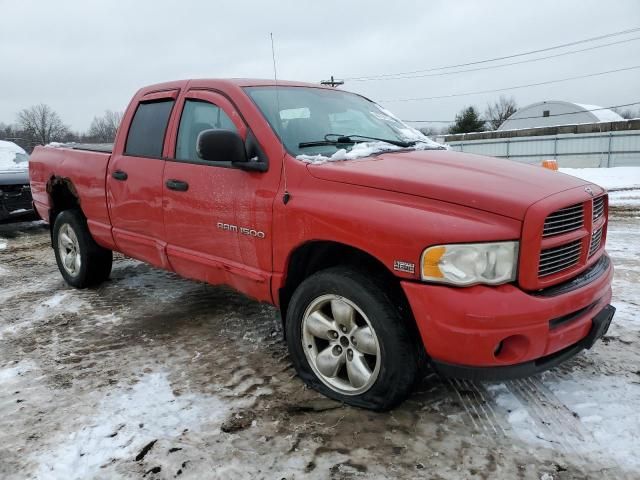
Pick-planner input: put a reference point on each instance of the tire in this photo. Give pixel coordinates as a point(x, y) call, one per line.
point(387, 350)
point(88, 264)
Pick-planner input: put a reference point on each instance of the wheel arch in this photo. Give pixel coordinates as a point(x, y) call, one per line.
point(314, 256)
point(62, 196)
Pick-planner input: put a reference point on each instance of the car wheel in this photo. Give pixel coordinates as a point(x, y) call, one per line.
point(349, 341)
point(81, 261)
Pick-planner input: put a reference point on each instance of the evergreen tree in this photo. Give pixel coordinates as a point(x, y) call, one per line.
point(468, 120)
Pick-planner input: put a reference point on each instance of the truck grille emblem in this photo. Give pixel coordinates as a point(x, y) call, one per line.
point(588, 190)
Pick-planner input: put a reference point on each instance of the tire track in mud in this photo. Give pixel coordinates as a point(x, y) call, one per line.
point(482, 412)
point(138, 306)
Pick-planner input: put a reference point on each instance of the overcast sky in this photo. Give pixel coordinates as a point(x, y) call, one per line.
point(82, 57)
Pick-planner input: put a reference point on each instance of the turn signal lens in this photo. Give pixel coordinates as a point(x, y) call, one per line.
point(550, 164)
point(470, 263)
point(430, 261)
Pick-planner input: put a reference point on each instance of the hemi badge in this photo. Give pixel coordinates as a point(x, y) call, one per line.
point(406, 267)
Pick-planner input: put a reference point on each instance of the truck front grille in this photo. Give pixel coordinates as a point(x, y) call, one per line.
point(564, 220)
point(596, 240)
point(598, 208)
point(553, 260)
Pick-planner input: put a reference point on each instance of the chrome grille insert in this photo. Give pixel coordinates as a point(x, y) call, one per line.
point(596, 240)
point(556, 259)
point(564, 220)
point(598, 208)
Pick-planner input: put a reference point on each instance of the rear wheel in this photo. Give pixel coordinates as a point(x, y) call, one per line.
point(349, 341)
point(81, 261)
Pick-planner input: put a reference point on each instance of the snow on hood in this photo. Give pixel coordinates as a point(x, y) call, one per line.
point(12, 157)
point(366, 149)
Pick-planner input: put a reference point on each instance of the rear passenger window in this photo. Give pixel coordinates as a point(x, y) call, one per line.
point(147, 130)
point(196, 117)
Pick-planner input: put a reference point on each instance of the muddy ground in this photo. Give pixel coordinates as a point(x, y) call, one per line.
point(152, 376)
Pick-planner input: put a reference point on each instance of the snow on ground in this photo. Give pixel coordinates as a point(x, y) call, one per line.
point(152, 376)
point(614, 178)
point(623, 183)
point(123, 423)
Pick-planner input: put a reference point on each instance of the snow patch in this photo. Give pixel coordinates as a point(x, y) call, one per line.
point(65, 301)
point(359, 150)
point(614, 178)
point(126, 421)
point(3, 245)
point(12, 157)
point(615, 426)
point(366, 149)
point(8, 374)
point(623, 183)
point(612, 428)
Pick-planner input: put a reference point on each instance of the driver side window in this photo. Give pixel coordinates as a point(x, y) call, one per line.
point(197, 116)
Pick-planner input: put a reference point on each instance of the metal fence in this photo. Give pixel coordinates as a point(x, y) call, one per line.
point(595, 149)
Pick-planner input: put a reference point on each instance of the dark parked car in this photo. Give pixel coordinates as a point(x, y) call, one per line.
point(15, 192)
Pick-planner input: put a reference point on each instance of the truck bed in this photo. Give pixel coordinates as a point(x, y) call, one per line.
point(86, 165)
point(89, 147)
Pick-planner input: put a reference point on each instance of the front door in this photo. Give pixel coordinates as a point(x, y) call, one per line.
point(134, 182)
point(213, 230)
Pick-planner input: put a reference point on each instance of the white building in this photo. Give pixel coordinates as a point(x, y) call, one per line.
point(554, 112)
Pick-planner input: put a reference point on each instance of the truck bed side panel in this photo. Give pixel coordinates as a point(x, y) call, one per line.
point(84, 172)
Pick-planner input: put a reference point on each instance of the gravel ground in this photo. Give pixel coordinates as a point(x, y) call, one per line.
point(155, 376)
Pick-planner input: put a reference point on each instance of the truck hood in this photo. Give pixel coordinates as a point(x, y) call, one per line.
point(503, 187)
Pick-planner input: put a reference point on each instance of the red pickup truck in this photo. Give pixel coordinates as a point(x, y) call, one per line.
point(381, 248)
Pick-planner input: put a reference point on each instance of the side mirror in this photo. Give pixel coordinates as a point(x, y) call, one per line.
point(221, 146)
point(227, 146)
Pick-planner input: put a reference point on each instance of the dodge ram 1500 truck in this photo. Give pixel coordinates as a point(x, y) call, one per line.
point(381, 248)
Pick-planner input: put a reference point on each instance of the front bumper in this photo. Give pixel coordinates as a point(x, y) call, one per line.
point(504, 332)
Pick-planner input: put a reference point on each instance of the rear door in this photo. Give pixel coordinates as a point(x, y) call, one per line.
point(217, 217)
point(134, 181)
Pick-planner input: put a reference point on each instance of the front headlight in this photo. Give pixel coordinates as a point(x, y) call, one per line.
point(470, 263)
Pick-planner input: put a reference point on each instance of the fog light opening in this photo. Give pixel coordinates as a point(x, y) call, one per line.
point(512, 349)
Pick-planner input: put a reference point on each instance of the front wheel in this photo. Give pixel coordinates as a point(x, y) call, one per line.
point(348, 340)
point(81, 261)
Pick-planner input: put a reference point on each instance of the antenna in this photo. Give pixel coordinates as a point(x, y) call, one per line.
point(286, 197)
point(333, 83)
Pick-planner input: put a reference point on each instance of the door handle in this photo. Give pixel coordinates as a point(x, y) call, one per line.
point(120, 175)
point(177, 185)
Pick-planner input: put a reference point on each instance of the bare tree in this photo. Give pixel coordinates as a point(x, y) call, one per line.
point(627, 113)
point(104, 128)
point(497, 112)
point(41, 124)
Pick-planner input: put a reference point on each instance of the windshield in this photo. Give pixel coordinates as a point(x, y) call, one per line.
point(12, 159)
point(322, 123)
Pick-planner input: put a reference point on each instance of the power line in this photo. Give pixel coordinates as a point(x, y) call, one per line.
point(515, 87)
point(498, 66)
point(506, 57)
point(526, 118)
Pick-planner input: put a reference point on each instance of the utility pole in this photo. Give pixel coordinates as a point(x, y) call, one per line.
point(333, 83)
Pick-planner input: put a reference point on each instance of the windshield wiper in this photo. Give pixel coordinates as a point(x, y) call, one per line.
point(322, 143)
point(350, 140)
